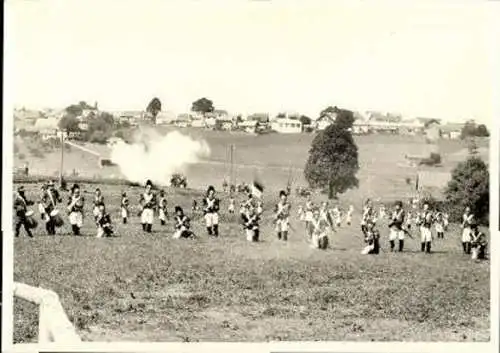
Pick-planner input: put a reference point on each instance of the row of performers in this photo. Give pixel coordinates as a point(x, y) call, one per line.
point(473, 240)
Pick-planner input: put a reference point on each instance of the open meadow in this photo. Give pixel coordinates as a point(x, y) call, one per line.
point(142, 287)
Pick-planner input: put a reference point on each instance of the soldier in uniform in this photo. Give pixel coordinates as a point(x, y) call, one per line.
point(211, 212)
point(250, 219)
point(319, 231)
point(282, 214)
point(148, 204)
point(182, 225)
point(478, 243)
point(348, 217)
point(162, 208)
point(50, 199)
point(21, 207)
point(231, 207)
point(439, 224)
point(372, 239)
point(308, 216)
point(75, 209)
point(396, 227)
point(427, 220)
point(467, 221)
point(104, 225)
point(124, 207)
point(98, 201)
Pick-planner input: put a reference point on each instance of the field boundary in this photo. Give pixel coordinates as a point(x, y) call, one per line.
point(54, 325)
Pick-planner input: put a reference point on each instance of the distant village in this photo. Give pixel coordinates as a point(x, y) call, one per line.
point(45, 123)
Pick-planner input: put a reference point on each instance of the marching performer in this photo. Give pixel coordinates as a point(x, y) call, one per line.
point(148, 204)
point(124, 207)
point(104, 225)
point(325, 214)
point(162, 208)
point(50, 198)
point(338, 216)
point(75, 209)
point(372, 239)
point(319, 231)
point(182, 225)
point(211, 212)
point(467, 221)
point(348, 217)
point(426, 220)
point(98, 201)
point(439, 224)
point(22, 218)
point(478, 243)
point(282, 213)
point(396, 227)
point(382, 212)
point(446, 221)
point(41, 207)
point(250, 218)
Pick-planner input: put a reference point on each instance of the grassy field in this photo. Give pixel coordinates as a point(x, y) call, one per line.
point(152, 288)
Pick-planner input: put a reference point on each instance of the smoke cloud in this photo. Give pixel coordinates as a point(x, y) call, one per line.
point(156, 157)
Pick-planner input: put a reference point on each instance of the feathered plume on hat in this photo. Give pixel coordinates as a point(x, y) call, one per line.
point(178, 208)
point(210, 188)
point(149, 183)
point(283, 193)
point(75, 186)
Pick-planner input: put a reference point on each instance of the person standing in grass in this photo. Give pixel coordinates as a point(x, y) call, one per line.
point(148, 204)
point(211, 212)
point(396, 227)
point(162, 208)
point(250, 219)
point(50, 199)
point(467, 222)
point(231, 207)
point(282, 216)
point(75, 209)
point(427, 220)
point(439, 225)
point(98, 201)
point(104, 226)
point(319, 231)
point(21, 208)
point(124, 207)
point(182, 225)
point(308, 216)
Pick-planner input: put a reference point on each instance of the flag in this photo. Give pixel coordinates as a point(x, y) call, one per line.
point(257, 189)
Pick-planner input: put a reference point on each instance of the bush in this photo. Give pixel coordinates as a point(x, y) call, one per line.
point(433, 160)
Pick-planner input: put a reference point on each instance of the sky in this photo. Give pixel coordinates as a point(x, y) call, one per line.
point(428, 59)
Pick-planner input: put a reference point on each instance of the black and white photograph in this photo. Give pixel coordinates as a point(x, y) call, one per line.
point(248, 171)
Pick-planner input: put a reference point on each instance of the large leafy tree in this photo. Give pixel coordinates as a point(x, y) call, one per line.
point(69, 123)
point(469, 186)
point(333, 160)
point(203, 106)
point(153, 108)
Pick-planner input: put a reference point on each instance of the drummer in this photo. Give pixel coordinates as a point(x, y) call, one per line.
point(75, 209)
point(50, 199)
point(21, 208)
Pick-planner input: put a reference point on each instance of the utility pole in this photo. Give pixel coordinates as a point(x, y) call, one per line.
point(231, 160)
point(62, 160)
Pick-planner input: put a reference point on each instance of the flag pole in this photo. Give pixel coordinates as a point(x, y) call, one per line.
point(62, 160)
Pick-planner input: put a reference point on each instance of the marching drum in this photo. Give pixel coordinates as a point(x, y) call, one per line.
point(56, 218)
point(30, 220)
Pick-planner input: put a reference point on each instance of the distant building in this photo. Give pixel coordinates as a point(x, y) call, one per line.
point(451, 131)
point(286, 125)
point(325, 120)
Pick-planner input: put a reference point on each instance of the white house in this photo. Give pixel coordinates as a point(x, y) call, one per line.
point(286, 126)
point(324, 121)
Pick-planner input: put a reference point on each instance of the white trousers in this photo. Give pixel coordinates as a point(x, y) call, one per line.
point(282, 225)
point(162, 215)
point(319, 241)
point(100, 232)
point(76, 219)
point(466, 235)
point(396, 234)
point(212, 219)
point(250, 234)
point(308, 216)
point(425, 234)
point(147, 216)
point(124, 212)
point(95, 211)
point(366, 250)
point(439, 228)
